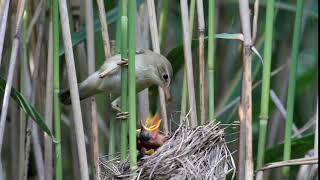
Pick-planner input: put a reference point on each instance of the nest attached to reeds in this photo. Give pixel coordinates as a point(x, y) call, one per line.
point(199, 153)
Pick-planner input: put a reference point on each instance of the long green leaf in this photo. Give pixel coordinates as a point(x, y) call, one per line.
point(300, 146)
point(27, 107)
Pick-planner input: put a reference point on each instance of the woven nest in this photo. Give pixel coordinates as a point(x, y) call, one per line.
point(199, 153)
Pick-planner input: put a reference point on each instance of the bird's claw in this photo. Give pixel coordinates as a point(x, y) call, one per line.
point(123, 62)
point(119, 113)
point(122, 115)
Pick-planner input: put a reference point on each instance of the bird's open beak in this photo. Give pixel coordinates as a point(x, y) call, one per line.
point(152, 123)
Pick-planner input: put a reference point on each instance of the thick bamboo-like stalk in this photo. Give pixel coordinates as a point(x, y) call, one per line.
point(4, 16)
point(163, 20)
point(184, 99)
point(107, 53)
point(94, 152)
point(188, 62)
point(264, 108)
point(48, 156)
point(13, 60)
point(142, 41)
point(56, 89)
point(23, 75)
point(211, 50)
point(124, 84)
point(82, 155)
point(201, 29)
point(292, 83)
point(104, 28)
point(132, 85)
point(118, 33)
point(156, 48)
point(245, 164)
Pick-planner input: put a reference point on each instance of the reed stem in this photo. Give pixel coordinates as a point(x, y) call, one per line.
point(184, 99)
point(132, 85)
point(124, 86)
point(292, 84)
point(163, 20)
point(156, 48)
point(13, 60)
point(56, 89)
point(211, 49)
point(245, 163)
point(264, 108)
point(74, 91)
point(188, 62)
point(201, 29)
point(23, 75)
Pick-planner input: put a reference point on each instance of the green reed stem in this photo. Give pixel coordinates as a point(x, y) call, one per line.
point(56, 87)
point(292, 83)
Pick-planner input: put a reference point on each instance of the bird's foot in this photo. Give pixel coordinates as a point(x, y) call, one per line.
point(108, 71)
point(122, 115)
point(119, 114)
point(123, 62)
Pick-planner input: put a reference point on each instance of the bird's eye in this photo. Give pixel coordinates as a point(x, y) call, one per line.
point(165, 76)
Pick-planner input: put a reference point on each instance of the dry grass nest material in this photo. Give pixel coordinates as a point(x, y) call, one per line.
point(199, 153)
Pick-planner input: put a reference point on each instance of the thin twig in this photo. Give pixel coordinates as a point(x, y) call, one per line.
point(156, 48)
point(104, 28)
point(255, 21)
point(277, 102)
point(37, 151)
point(34, 20)
point(292, 162)
point(316, 131)
point(4, 17)
point(82, 155)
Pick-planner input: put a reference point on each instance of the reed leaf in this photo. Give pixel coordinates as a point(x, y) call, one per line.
point(27, 107)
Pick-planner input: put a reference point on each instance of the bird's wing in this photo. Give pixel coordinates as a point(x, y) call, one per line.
point(110, 66)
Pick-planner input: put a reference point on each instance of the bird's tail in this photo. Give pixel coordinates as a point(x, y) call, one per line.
point(86, 89)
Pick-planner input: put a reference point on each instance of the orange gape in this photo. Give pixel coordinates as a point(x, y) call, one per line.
point(149, 138)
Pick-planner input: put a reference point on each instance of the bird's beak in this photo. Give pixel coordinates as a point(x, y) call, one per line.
point(152, 123)
point(167, 93)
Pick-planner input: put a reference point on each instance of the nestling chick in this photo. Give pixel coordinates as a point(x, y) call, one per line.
point(151, 68)
point(149, 138)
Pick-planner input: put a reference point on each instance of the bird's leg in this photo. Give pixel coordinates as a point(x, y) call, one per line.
point(123, 62)
point(108, 71)
point(119, 115)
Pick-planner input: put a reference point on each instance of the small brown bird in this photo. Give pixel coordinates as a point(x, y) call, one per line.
point(151, 68)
